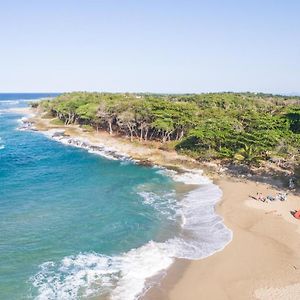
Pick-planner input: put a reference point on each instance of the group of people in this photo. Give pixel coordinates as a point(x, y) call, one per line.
point(278, 196)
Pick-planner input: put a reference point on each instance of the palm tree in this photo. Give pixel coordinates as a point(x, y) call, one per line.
point(248, 154)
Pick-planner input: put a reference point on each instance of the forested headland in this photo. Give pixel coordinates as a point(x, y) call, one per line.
point(243, 127)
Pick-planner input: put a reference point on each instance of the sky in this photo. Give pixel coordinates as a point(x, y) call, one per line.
point(165, 46)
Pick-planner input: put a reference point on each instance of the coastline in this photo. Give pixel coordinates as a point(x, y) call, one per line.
point(145, 153)
point(262, 260)
point(240, 271)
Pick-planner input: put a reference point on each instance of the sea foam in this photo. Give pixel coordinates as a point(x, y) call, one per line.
point(78, 142)
point(99, 149)
point(124, 277)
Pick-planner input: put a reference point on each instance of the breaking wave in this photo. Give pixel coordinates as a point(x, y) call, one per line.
point(124, 277)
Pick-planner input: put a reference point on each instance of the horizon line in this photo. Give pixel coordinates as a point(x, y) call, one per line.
point(289, 94)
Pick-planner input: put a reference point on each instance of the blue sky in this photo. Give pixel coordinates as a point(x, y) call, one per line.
point(150, 46)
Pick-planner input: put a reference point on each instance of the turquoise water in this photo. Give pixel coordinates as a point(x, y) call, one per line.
point(76, 225)
point(58, 201)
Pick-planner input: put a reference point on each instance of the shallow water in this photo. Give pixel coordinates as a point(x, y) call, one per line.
point(75, 225)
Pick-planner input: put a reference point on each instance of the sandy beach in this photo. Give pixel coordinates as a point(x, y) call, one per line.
point(262, 261)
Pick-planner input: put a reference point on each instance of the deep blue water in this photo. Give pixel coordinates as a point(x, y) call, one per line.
point(67, 216)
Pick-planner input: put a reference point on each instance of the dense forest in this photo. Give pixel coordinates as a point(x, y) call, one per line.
point(246, 127)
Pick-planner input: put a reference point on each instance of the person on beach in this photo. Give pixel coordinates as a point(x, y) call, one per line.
point(260, 197)
point(281, 196)
point(270, 198)
point(292, 184)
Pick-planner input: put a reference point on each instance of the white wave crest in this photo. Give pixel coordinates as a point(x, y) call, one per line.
point(193, 177)
point(85, 275)
point(2, 145)
point(124, 277)
point(18, 101)
point(10, 102)
point(99, 149)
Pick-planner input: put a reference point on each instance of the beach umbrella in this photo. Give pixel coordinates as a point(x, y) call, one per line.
point(297, 214)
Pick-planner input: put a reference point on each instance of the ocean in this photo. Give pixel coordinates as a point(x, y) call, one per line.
point(80, 225)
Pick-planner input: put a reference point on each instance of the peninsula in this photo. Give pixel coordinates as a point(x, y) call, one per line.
point(247, 143)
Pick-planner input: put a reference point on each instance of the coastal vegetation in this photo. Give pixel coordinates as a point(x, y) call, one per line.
point(243, 127)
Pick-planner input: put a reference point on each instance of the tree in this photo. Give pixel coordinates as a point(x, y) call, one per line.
point(237, 126)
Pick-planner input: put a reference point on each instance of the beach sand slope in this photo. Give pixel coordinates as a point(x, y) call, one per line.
point(262, 261)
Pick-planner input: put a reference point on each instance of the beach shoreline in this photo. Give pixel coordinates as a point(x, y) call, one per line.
point(240, 271)
point(262, 260)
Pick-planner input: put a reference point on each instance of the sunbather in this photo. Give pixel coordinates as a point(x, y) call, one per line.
point(271, 198)
point(281, 196)
point(260, 197)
